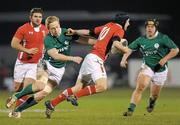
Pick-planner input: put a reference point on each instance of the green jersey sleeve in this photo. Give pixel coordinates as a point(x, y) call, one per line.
point(134, 45)
point(48, 43)
point(169, 43)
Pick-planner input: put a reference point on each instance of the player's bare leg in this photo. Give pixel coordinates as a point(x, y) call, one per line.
point(29, 88)
point(33, 100)
point(100, 86)
point(142, 83)
point(50, 105)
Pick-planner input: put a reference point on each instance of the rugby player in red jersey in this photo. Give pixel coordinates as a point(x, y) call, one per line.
point(92, 69)
point(28, 40)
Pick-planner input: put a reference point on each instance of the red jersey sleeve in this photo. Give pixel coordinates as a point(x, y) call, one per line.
point(98, 29)
point(19, 33)
point(119, 32)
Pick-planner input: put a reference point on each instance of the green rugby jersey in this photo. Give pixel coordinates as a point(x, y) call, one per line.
point(153, 50)
point(62, 43)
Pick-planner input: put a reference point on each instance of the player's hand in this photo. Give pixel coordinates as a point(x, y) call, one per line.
point(163, 61)
point(32, 51)
point(123, 63)
point(70, 31)
point(77, 59)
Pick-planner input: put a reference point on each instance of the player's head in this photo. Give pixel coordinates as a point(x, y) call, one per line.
point(36, 16)
point(151, 26)
point(152, 21)
point(122, 18)
point(36, 10)
point(53, 24)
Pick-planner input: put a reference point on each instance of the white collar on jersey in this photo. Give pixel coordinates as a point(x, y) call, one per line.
point(36, 29)
point(155, 35)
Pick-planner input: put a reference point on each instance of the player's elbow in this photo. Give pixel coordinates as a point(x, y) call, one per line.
point(176, 51)
point(13, 44)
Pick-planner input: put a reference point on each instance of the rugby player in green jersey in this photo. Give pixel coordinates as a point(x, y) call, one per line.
point(57, 53)
point(157, 49)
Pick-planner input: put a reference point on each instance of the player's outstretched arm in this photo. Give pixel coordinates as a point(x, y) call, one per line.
point(81, 32)
point(123, 62)
point(61, 57)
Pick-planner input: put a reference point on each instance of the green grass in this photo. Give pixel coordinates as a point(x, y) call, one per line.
point(102, 109)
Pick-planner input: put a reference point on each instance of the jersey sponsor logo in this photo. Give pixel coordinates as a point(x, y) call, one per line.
point(142, 46)
point(66, 42)
point(30, 32)
point(156, 45)
point(148, 53)
point(103, 33)
point(63, 49)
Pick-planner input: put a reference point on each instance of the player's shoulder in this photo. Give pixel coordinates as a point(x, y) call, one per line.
point(162, 35)
point(63, 30)
point(111, 24)
point(43, 27)
point(48, 39)
point(24, 26)
point(117, 27)
point(48, 36)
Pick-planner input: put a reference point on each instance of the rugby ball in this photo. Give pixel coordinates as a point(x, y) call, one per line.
point(114, 50)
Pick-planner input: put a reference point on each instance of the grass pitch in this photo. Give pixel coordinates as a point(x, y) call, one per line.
point(100, 109)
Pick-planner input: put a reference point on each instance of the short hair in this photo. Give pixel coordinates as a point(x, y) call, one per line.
point(51, 19)
point(152, 21)
point(36, 10)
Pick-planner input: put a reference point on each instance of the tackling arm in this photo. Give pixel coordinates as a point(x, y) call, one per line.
point(123, 62)
point(82, 32)
point(120, 46)
point(61, 57)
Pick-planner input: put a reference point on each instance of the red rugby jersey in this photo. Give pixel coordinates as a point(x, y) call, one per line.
point(106, 33)
point(31, 39)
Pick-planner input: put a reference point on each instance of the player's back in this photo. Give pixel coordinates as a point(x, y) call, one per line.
point(105, 38)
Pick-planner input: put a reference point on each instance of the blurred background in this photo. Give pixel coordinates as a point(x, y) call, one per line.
point(87, 14)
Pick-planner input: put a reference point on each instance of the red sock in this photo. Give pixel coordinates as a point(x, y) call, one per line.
point(61, 97)
point(21, 100)
point(88, 90)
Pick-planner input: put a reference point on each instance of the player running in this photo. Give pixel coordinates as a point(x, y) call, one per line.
point(92, 69)
point(157, 50)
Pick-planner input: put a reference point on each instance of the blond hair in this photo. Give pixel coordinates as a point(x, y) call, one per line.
point(51, 19)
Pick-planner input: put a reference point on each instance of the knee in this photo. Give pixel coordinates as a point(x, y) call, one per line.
point(40, 96)
point(18, 87)
point(101, 87)
point(140, 88)
point(39, 85)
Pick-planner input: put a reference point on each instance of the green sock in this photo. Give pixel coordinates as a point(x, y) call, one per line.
point(27, 90)
point(152, 102)
point(28, 103)
point(132, 107)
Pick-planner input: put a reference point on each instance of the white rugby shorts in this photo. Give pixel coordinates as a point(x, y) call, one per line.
point(55, 74)
point(24, 70)
point(158, 78)
point(92, 66)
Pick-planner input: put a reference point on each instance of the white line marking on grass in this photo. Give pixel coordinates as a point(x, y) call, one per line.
point(39, 110)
